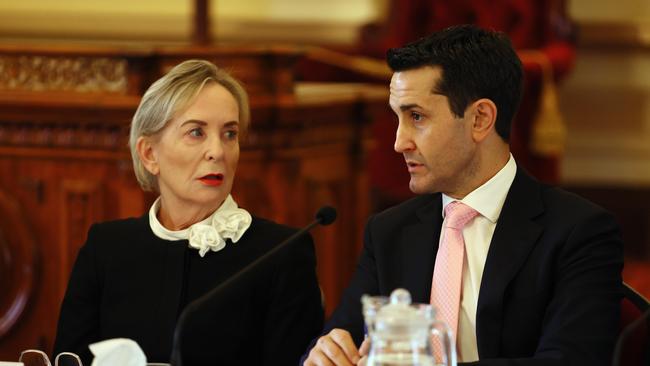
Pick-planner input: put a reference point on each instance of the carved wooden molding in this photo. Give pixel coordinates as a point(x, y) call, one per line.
point(63, 73)
point(89, 136)
point(18, 261)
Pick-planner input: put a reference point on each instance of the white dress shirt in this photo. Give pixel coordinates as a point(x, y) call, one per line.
point(488, 200)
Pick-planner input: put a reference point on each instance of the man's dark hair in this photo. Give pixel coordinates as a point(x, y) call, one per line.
point(475, 64)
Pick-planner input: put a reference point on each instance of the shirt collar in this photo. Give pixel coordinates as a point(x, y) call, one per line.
point(228, 222)
point(488, 199)
point(163, 233)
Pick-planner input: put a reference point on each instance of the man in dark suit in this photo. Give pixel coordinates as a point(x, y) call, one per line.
point(541, 268)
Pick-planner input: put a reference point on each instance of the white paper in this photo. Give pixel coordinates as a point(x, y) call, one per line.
point(117, 351)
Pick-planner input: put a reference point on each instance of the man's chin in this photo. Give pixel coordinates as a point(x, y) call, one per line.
point(418, 187)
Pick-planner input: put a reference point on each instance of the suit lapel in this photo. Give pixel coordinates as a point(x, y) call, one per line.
point(420, 244)
point(514, 237)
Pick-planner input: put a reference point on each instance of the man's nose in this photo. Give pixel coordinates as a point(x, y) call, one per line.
point(403, 141)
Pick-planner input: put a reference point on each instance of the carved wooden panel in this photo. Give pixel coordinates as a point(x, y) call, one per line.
point(35, 134)
point(17, 263)
point(63, 194)
point(81, 206)
point(60, 73)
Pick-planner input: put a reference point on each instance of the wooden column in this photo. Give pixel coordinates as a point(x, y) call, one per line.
point(201, 25)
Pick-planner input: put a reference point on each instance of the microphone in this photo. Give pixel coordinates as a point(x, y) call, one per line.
point(325, 216)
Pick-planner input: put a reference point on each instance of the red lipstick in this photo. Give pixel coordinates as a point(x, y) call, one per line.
point(212, 180)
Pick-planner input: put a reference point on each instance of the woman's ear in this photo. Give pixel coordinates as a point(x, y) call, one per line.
point(485, 116)
point(145, 150)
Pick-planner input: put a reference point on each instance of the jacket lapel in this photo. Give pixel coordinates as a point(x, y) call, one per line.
point(420, 244)
point(514, 236)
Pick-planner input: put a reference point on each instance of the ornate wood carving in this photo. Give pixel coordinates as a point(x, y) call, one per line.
point(60, 73)
point(74, 135)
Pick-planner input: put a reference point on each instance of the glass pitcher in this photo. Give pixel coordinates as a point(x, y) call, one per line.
point(400, 332)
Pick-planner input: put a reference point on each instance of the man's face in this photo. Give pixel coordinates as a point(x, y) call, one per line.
point(437, 146)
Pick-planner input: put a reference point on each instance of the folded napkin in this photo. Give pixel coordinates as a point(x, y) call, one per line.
point(117, 351)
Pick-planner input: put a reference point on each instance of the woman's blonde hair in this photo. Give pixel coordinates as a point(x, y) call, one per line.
point(172, 93)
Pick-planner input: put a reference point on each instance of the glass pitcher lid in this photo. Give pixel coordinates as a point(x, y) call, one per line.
point(400, 318)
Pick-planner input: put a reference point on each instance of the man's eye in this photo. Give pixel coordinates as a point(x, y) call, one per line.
point(196, 132)
point(416, 116)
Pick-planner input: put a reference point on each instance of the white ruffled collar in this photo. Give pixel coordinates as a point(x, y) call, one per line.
point(227, 222)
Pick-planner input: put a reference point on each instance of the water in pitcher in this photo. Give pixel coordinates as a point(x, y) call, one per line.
point(401, 360)
point(400, 332)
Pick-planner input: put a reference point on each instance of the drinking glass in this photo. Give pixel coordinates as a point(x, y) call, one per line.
point(67, 359)
point(34, 357)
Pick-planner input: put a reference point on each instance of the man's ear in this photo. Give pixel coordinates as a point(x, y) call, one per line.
point(145, 150)
point(485, 115)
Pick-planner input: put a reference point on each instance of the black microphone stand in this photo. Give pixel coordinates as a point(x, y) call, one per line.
point(325, 216)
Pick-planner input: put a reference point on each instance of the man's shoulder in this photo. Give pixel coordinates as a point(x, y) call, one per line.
point(562, 201)
point(529, 192)
point(407, 210)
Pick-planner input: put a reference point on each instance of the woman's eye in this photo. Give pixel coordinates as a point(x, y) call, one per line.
point(196, 132)
point(416, 116)
point(231, 134)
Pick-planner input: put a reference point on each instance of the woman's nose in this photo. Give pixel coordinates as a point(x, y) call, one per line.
point(214, 149)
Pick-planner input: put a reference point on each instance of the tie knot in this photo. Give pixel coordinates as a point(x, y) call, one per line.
point(458, 215)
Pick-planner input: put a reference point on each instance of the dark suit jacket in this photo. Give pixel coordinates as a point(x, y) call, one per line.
point(129, 283)
point(551, 285)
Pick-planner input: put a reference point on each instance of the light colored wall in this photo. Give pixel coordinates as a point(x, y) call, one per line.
point(158, 20)
point(161, 21)
point(635, 11)
point(303, 10)
point(606, 100)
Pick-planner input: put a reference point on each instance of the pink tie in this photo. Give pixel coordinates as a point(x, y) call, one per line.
point(448, 271)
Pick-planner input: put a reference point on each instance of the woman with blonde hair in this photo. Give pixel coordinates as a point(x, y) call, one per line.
point(133, 277)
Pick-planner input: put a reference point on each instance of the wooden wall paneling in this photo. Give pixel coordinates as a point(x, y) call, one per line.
point(124, 197)
point(250, 188)
point(81, 204)
point(332, 180)
point(18, 264)
point(264, 70)
point(21, 179)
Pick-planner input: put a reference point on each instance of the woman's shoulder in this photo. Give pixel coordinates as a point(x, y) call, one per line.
point(120, 225)
point(266, 235)
point(117, 230)
point(272, 234)
point(269, 227)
